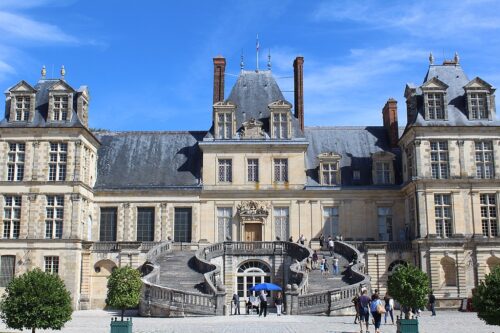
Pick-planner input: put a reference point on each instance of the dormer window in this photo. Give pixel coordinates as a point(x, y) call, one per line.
point(435, 106)
point(60, 108)
point(383, 168)
point(478, 106)
point(21, 102)
point(435, 102)
point(224, 120)
point(280, 121)
point(480, 100)
point(23, 106)
point(329, 166)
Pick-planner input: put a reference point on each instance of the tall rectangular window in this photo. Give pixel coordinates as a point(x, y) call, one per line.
point(384, 223)
point(435, 105)
point(484, 159)
point(12, 217)
point(54, 215)
point(51, 264)
point(383, 172)
point(107, 227)
point(478, 106)
point(331, 221)
point(409, 162)
point(253, 170)
point(23, 105)
point(7, 270)
point(281, 223)
point(182, 225)
point(489, 215)
point(330, 173)
point(281, 170)
point(225, 125)
point(443, 215)
point(15, 162)
point(225, 170)
point(224, 223)
point(61, 107)
point(439, 159)
point(280, 125)
point(145, 224)
point(57, 162)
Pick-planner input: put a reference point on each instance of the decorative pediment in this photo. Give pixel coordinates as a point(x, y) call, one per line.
point(22, 87)
point(252, 129)
point(479, 84)
point(434, 84)
point(253, 211)
point(224, 105)
point(61, 86)
point(329, 156)
point(279, 104)
point(383, 155)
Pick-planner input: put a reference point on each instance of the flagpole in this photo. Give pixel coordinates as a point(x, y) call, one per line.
point(257, 59)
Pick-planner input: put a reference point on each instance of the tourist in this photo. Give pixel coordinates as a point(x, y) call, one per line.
point(326, 266)
point(321, 241)
point(301, 240)
point(278, 301)
point(263, 303)
point(308, 264)
point(335, 265)
point(290, 239)
point(364, 311)
point(236, 303)
point(376, 308)
point(355, 301)
point(322, 266)
point(389, 308)
point(315, 259)
point(432, 303)
point(331, 246)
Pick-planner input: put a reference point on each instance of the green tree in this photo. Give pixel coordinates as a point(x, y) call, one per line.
point(410, 287)
point(486, 299)
point(124, 288)
point(36, 300)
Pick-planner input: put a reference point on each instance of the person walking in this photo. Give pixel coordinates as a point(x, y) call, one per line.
point(355, 301)
point(263, 303)
point(364, 309)
point(376, 308)
point(236, 303)
point(327, 267)
point(335, 265)
point(278, 301)
point(315, 259)
point(432, 303)
point(389, 308)
point(331, 245)
point(301, 239)
point(322, 266)
point(308, 264)
point(321, 241)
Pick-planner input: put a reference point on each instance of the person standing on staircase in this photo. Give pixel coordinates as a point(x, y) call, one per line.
point(331, 245)
point(335, 266)
point(321, 241)
point(315, 259)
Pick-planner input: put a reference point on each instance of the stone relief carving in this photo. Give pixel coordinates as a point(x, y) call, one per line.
point(252, 129)
point(253, 211)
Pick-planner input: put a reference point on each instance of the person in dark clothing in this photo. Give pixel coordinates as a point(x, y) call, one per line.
point(377, 316)
point(321, 241)
point(263, 303)
point(315, 259)
point(278, 301)
point(432, 303)
point(355, 301)
point(364, 309)
point(236, 303)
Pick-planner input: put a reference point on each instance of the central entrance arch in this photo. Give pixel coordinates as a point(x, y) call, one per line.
point(248, 274)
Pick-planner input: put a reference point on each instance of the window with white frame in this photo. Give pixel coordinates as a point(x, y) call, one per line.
point(51, 264)
point(443, 215)
point(7, 269)
point(253, 170)
point(489, 215)
point(409, 162)
point(60, 108)
point(331, 221)
point(280, 125)
point(477, 105)
point(225, 170)
point(224, 125)
point(383, 172)
point(484, 159)
point(224, 223)
point(384, 218)
point(11, 217)
point(281, 170)
point(330, 173)
point(281, 223)
point(23, 105)
point(145, 224)
point(439, 159)
point(435, 106)
point(15, 162)
point(54, 215)
point(57, 162)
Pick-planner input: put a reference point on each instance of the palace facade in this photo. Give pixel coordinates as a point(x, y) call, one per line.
point(79, 202)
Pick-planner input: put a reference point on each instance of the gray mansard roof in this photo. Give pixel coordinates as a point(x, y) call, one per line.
point(455, 78)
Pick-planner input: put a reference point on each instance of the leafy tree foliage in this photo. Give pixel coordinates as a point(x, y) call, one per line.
point(486, 299)
point(36, 300)
point(410, 287)
point(124, 288)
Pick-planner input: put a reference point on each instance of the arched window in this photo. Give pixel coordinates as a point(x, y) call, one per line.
point(249, 274)
point(395, 265)
point(448, 272)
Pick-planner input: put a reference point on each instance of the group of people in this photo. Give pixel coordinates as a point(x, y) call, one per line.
point(259, 303)
point(373, 305)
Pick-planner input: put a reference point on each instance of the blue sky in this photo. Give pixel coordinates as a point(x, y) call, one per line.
point(148, 64)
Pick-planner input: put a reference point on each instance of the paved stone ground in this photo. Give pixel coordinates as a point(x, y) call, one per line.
point(98, 322)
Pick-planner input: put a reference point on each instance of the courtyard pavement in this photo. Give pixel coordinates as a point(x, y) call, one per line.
point(96, 321)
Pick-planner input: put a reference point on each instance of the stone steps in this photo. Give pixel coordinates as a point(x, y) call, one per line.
point(177, 272)
point(318, 282)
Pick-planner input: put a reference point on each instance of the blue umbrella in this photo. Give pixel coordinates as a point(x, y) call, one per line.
point(265, 286)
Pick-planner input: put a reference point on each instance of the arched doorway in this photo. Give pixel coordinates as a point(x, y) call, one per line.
point(448, 272)
point(250, 273)
point(99, 283)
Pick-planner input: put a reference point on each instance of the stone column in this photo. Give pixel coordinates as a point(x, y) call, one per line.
point(34, 162)
point(75, 223)
point(163, 218)
point(78, 157)
point(85, 286)
point(461, 158)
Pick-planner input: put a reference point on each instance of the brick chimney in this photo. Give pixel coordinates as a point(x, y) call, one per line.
point(219, 70)
point(390, 117)
point(298, 80)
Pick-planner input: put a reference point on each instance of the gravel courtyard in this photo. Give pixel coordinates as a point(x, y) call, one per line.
point(98, 322)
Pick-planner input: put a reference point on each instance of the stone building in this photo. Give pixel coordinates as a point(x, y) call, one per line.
point(79, 202)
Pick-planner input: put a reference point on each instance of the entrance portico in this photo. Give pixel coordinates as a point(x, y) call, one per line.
point(253, 216)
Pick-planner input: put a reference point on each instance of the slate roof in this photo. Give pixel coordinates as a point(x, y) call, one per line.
point(41, 110)
point(148, 159)
point(356, 146)
point(453, 76)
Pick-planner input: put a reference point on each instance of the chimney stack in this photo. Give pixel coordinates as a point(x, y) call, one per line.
point(298, 80)
point(390, 117)
point(219, 70)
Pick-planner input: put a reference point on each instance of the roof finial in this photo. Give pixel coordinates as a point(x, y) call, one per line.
point(269, 60)
point(44, 72)
point(456, 58)
point(431, 58)
point(257, 49)
point(63, 72)
point(242, 64)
